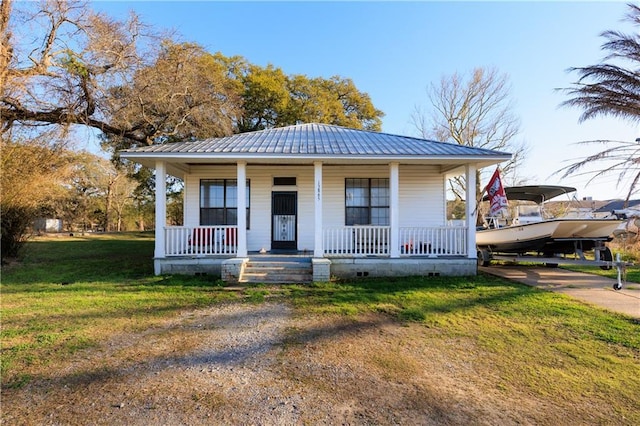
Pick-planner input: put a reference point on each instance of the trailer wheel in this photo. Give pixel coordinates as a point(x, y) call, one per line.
point(617, 286)
point(484, 257)
point(607, 257)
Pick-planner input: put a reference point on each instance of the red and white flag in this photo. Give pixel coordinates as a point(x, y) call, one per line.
point(497, 196)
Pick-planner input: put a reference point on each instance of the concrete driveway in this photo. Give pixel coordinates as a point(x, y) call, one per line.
point(589, 288)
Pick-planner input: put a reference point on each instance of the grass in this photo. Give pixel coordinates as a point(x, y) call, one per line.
point(70, 294)
point(631, 274)
point(536, 341)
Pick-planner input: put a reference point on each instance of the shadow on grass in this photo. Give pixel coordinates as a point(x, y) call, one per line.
point(89, 266)
point(249, 347)
point(413, 297)
point(143, 284)
point(240, 325)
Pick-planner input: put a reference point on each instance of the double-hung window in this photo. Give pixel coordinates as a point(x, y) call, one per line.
point(367, 201)
point(219, 202)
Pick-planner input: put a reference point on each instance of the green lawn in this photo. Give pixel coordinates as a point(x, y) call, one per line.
point(72, 293)
point(631, 274)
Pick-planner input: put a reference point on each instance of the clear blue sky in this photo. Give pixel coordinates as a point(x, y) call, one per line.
point(394, 50)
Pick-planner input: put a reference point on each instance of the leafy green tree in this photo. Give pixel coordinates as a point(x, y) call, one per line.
point(611, 88)
point(265, 99)
point(332, 101)
point(136, 86)
point(270, 98)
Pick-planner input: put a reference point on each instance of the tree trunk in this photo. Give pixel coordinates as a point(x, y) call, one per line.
point(5, 42)
point(108, 202)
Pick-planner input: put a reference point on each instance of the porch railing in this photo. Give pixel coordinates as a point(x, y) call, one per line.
point(200, 240)
point(415, 241)
point(434, 241)
point(338, 241)
point(357, 241)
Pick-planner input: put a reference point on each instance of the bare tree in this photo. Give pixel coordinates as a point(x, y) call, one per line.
point(119, 77)
point(609, 89)
point(474, 110)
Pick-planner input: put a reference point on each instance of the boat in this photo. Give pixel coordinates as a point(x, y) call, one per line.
point(531, 231)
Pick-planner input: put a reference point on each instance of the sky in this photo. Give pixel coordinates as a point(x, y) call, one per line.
point(395, 50)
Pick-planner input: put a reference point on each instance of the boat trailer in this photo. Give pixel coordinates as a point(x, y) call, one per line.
point(602, 258)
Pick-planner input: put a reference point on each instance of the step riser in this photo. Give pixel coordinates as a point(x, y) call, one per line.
point(278, 268)
point(277, 272)
point(278, 265)
point(306, 277)
point(269, 281)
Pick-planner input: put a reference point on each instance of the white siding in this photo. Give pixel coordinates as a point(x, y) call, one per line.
point(422, 197)
point(261, 178)
point(422, 201)
point(333, 185)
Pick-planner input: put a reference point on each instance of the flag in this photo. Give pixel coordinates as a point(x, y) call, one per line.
point(497, 196)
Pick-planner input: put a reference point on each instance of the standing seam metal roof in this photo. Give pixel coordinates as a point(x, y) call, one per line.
point(318, 139)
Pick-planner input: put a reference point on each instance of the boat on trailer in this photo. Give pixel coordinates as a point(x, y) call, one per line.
point(531, 236)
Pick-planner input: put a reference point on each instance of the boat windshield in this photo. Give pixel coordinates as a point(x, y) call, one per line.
point(529, 214)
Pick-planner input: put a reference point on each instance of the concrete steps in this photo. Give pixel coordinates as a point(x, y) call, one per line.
point(277, 271)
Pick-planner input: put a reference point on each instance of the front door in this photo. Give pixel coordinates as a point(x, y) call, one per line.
point(284, 212)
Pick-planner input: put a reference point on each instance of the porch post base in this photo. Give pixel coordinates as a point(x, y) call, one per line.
point(321, 270)
point(232, 269)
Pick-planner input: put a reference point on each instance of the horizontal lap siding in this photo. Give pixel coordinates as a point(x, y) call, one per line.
point(422, 201)
point(192, 189)
point(333, 179)
point(422, 198)
point(304, 188)
point(261, 177)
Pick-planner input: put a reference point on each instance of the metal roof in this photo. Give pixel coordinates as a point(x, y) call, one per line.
point(310, 140)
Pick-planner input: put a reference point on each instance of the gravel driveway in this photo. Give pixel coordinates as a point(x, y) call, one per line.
point(264, 364)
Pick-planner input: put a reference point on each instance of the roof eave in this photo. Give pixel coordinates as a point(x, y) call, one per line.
point(180, 165)
point(268, 158)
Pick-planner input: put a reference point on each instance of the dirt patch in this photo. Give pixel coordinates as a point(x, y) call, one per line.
point(264, 364)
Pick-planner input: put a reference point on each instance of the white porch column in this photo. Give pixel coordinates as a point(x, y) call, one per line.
point(470, 174)
point(318, 246)
point(394, 208)
point(161, 212)
point(242, 209)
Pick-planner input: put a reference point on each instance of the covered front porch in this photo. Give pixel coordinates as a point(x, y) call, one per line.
point(406, 246)
point(356, 203)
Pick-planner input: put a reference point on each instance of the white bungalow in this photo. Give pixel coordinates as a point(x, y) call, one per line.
point(327, 200)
